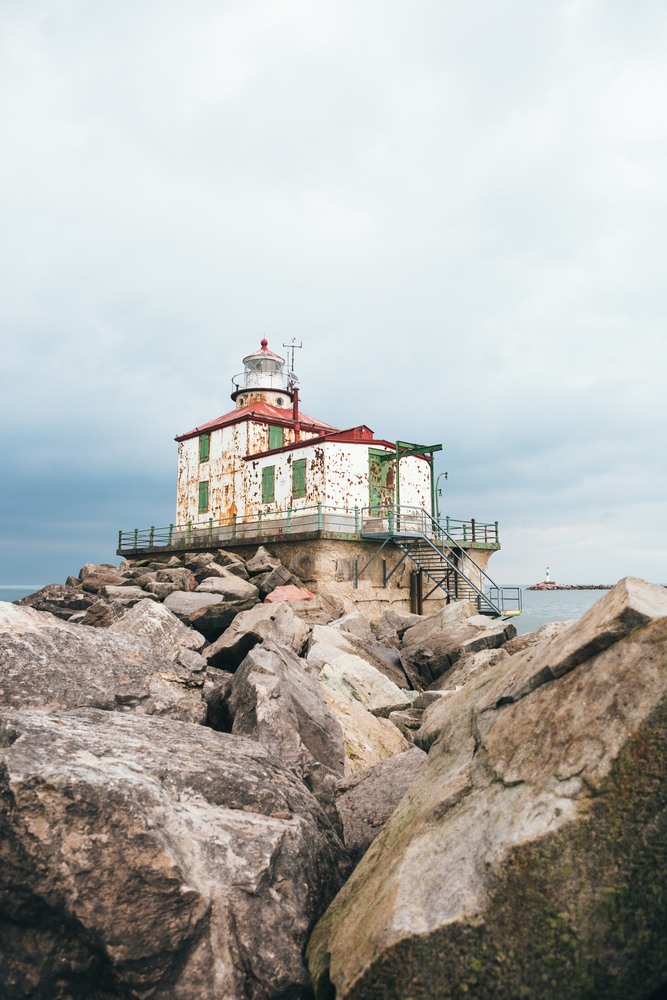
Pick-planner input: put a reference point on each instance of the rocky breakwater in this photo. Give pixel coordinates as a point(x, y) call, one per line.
point(188, 775)
point(528, 856)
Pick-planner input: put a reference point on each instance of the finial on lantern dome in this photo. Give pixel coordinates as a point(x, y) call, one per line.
point(265, 343)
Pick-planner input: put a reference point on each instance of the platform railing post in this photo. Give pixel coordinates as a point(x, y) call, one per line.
point(120, 539)
point(356, 520)
point(150, 538)
point(391, 520)
point(496, 532)
point(289, 519)
point(319, 515)
point(136, 534)
point(171, 533)
point(189, 532)
point(356, 577)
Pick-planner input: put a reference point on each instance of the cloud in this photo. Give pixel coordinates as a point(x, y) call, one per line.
point(460, 210)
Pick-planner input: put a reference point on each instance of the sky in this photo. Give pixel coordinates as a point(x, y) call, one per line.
point(460, 210)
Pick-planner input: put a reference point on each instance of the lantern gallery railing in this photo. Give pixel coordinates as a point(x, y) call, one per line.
point(337, 522)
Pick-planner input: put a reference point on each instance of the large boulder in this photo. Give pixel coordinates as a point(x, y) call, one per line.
point(528, 857)
point(355, 679)
point(368, 739)
point(146, 857)
point(279, 577)
point(59, 599)
point(326, 641)
point(183, 578)
point(127, 595)
point(320, 610)
point(465, 667)
point(94, 583)
point(366, 800)
point(214, 619)
point(182, 604)
point(148, 620)
point(230, 587)
point(264, 621)
point(548, 631)
point(433, 645)
point(261, 562)
point(55, 666)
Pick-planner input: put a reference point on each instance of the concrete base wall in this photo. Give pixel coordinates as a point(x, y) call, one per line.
point(328, 564)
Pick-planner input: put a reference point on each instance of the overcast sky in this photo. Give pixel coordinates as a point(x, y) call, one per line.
point(459, 208)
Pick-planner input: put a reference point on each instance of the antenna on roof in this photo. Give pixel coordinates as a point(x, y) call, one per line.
point(292, 347)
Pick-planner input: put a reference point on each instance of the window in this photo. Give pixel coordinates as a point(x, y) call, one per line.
point(203, 497)
point(275, 437)
point(268, 484)
point(299, 478)
point(204, 447)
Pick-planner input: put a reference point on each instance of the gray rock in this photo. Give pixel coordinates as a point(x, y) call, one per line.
point(197, 561)
point(102, 614)
point(366, 800)
point(358, 681)
point(162, 590)
point(321, 610)
point(467, 666)
point(521, 642)
point(261, 562)
point(73, 581)
point(51, 665)
point(230, 587)
point(95, 582)
point(432, 646)
point(279, 577)
point(385, 659)
point(529, 843)
point(265, 621)
point(127, 595)
point(216, 569)
point(180, 603)
point(163, 629)
point(146, 857)
point(214, 619)
point(59, 599)
point(356, 624)
point(183, 578)
point(88, 570)
point(145, 578)
point(409, 721)
point(399, 621)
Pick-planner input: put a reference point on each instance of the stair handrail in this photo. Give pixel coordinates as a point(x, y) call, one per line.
point(396, 518)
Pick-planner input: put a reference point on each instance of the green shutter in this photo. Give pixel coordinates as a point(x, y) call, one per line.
point(299, 478)
point(275, 437)
point(204, 447)
point(268, 480)
point(203, 497)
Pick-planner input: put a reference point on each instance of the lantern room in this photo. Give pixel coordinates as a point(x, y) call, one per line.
point(263, 379)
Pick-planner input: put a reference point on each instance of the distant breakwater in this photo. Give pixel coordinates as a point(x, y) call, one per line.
point(571, 586)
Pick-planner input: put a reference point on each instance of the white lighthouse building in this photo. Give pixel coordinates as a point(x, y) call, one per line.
point(267, 457)
point(345, 511)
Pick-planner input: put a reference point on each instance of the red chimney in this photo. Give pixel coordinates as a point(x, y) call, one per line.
point(295, 405)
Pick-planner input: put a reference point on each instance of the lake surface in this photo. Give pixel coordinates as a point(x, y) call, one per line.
point(542, 606)
point(9, 593)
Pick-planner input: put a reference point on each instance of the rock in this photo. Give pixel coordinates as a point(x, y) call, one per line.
point(548, 631)
point(399, 621)
point(73, 581)
point(265, 621)
point(145, 578)
point(432, 646)
point(280, 577)
point(155, 622)
point(127, 595)
point(213, 619)
point(183, 605)
point(357, 624)
point(631, 604)
point(162, 590)
point(261, 562)
point(525, 852)
point(288, 593)
point(468, 665)
point(409, 721)
point(51, 665)
point(226, 558)
point(88, 570)
point(325, 642)
point(217, 685)
point(154, 858)
point(197, 561)
point(215, 569)
point(426, 698)
point(102, 615)
point(324, 609)
point(368, 739)
point(94, 583)
point(230, 587)
point(275, 700)
point(366, 800)
point(58, 599)
point(183, 578)
point(356, 680)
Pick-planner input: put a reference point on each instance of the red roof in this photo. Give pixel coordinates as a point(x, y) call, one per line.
point(263, 352)
point(259, 411)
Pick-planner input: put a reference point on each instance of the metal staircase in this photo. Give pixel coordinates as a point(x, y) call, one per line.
point(447, 565)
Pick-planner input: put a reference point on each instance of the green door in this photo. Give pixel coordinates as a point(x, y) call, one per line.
point(380, 480)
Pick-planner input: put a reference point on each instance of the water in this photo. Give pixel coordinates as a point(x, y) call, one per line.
point(542, 606)
point(10, 592)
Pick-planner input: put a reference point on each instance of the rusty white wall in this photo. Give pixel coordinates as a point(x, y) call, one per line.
point(232, 486)
point(347, 476)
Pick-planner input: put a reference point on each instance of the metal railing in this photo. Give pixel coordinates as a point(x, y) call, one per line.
point(415, 520)
point(218, 531)
point(412, 527)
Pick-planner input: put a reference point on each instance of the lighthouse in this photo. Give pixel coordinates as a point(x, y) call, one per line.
point(345, 510)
